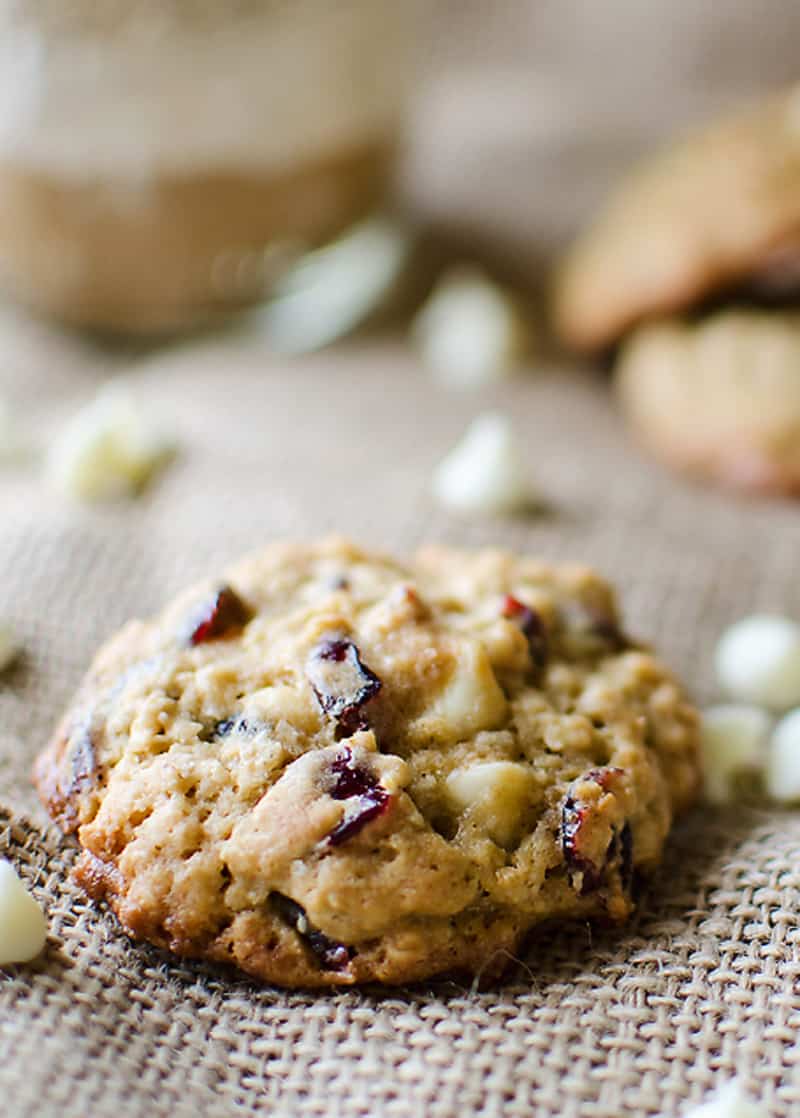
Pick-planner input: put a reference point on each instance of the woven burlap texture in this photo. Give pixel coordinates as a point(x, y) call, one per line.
point(701, 985)
point(593, 1024)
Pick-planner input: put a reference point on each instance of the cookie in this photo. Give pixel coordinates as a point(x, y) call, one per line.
point(329, 768)
point(704, 215)
point(719, 396)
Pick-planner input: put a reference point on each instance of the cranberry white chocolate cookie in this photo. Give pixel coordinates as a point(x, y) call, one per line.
point(719, 396)
point(329, 768)
point(714, 209)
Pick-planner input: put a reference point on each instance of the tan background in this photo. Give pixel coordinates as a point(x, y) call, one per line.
point(704, 983)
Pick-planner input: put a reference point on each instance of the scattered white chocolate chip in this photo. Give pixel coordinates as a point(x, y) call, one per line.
point(331, 291)
point(23, 928)
point(758, 661)
point(484, 473)
point(734, 741)
point(497, 792)
point(783, 760)
point(729, 1101)
point(470, 332)
point(8, 646)
point(109, 449)
point(471, 699)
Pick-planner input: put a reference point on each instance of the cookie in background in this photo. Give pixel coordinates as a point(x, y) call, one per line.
point(707, 214)
point(693, 271)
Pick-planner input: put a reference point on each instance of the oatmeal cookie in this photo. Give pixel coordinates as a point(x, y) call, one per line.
point(329, 768)
point(707, 213)
point(719, 396)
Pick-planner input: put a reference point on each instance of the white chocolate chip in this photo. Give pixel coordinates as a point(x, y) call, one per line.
point(272, 704)
point(729, 1101)
point(483, 473)
point(497, 793)
point(331, 291)
point(758, 661)
point(734, 740)
point(783, 760)
point(8, 646)
point(23, 928)
point(109, 449)
point(471, 700)
point(470, 332)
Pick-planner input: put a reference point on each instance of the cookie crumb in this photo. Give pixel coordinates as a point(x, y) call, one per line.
point(733, 741)
point(758, 661)
point(111, 448)
point(470, 332)
point(23, 928)
point(484, 473)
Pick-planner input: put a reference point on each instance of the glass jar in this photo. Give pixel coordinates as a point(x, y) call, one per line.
point(161, 159)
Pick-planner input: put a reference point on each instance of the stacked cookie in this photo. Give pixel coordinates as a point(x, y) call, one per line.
point(693, 266)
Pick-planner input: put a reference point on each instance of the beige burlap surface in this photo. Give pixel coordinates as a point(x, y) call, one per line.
point(704, 982)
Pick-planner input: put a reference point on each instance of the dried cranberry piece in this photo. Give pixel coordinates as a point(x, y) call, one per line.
point(332, 955)
point(588, 866)
point(342, 683)
point(222, 613)
point(605, 777)
point(355, 781)
point(351, 780)
point(531, 625)
point(370, 806)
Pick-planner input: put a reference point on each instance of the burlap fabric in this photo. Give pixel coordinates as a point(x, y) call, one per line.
point(703, 984)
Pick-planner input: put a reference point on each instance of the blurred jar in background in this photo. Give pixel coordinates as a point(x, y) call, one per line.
point(160, 160)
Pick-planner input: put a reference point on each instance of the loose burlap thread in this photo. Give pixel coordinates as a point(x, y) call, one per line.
point(701, 986)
